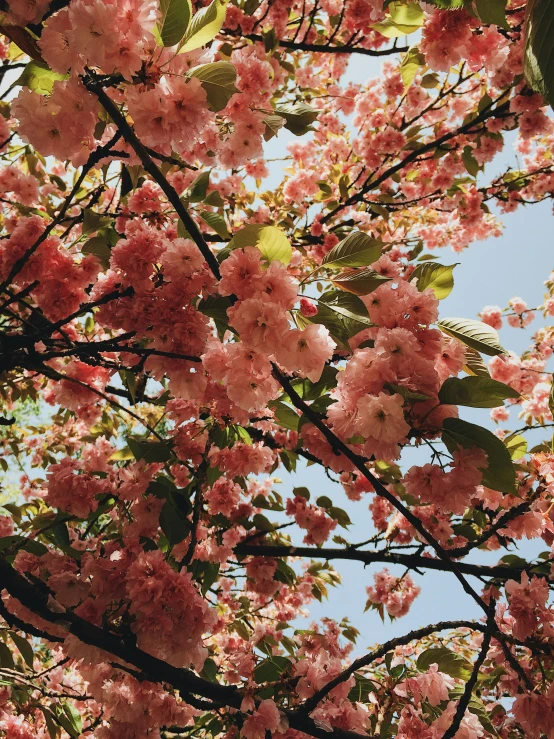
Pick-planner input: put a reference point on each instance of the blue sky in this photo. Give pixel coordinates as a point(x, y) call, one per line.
point(490, 273)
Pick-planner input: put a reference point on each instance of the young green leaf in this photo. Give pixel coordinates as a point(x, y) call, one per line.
point(402, 19)
point(198, 187)
point(538, 60)
point(205, 26)
point(271, 241)
point(413, 60)
point(99, 247)
point(438, 277)
point(150, 451)
point(516, 445)
point(475, 334)
point(38, 77)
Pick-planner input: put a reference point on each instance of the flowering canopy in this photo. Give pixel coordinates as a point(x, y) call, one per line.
point(173, 333)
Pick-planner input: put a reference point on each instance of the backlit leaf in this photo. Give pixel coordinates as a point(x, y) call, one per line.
point(205, 26)
point(438, 277)
point(38, 77)
point(402, 19)
point(218, 80)
point(271, 241)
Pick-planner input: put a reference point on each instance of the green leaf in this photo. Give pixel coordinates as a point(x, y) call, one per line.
point(174, 522)
point(174, 19)
point(343, 314)
point(347, 306)
point(39, 78)
point(271, 669)
point(93, 221)
point(6, 658)
point(150, 451)
point(205, 26)
point(285, 416)
point(356, 250)
point(271, 241)
point(438, 277)
point(477, 707)
point(198, 188)
point(262, 523)
point(499, 473)
point(216, 306)
point(69, 718)
point(475, 334)
point(99, 247)
point(447, 661)
point(551, 396)
point(538, 61)
point(24, 647)
point(516, 445)
point(51, 725)
point(340, 516)
point(474, 364)
point(402, 19)
point(411, 63)
point(359, 281)
point(492, 12)
point(470, 163)
point(284, 573)
point(475, 392)
point(273, 124)
point(216, 222)
point(298, 117)
point(209, 671)
point(218, 80)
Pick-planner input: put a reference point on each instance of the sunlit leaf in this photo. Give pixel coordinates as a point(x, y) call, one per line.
point(218, 80)
point(205, 26)
point(271, 241)
point(476, 334)
point(356, 250)
point(438, 277)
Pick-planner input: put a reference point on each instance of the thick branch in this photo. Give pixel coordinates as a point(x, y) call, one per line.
point(153, 170)
point(154, 669)
point(413, 561)
point(326, 48)
point(380, 489)
point(381, 651)
point(463, 703)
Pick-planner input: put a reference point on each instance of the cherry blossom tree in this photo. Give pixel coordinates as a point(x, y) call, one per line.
point(174, 333)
